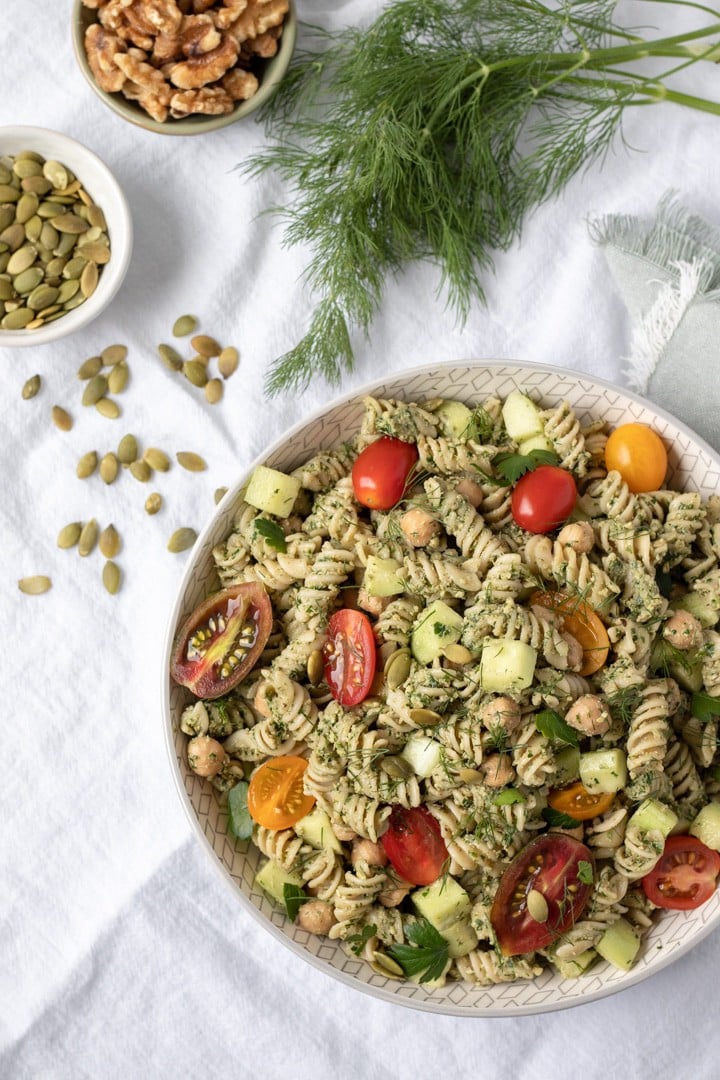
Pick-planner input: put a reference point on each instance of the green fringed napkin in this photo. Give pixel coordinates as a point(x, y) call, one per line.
point(668, 273)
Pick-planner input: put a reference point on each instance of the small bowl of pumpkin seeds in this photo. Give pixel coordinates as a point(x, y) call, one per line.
point(65, 236)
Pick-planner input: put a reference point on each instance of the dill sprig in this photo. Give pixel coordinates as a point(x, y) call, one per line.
point(432, 132)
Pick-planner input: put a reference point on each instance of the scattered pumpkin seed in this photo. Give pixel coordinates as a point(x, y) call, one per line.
point(228, 361)
point(396, 767)
point(56, 173)
point(425, 717)
point(61, 418)
point(385, 651)
point(90, 368)
point(457, 654)
point(21, 260)
point(95, 389)
point(181, 540)
point(110, 542)
point(89, 279)
point(214, 391)
point(315, 666)
point(113, 354)
point(87, 465)
point(140, 470)
point(108, 408)
point(111, 577)
point(118, 378)
point(127, 450)
point(31, 387)
point(397, 668)
point(220, 494)
point(109, 467)
point(195, 372)
point(70, 223)
point(184, 325)
point(206, 346)
point(170, 357)
point(96, 217)
point(537, 906)
point(69, 534)
point(190, 461)
point(385, 965)
point(88, 537)
point(156, 459)
point(34, 586)
point(17, 319)
point(470, 776)
point(153, 503)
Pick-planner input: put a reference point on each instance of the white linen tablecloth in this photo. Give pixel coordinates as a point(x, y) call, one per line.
point(122, 954)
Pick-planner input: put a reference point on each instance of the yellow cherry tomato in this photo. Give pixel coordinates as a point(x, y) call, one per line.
point(577, 801)
point(638, 454)
point(276, 798)
point(580, 620)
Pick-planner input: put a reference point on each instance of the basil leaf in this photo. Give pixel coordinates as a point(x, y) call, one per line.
point(239, 820)
point(558, 820)
point(271, 532)
point(294, 898)
point(552, 726)
point(703, 706)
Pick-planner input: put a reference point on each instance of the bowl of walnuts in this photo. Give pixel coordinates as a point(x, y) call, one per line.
point(183, 67)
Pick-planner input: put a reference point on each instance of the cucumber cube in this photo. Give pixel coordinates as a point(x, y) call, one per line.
point(535, 442)
point(653, 816)
point(442, 903)
point(461, 938)
point(567, 766)
point(521, 417)
point(316, 829)
point(437, 627)
point(573, 967)
point(507, 665)
point(272, 491)
point(603, 770)
point(706, 826)
point(381, 577)
point(454, 419)
point(272, 877)
point(423, 753)
point(619, 945)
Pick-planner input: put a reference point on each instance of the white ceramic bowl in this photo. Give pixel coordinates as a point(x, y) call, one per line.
point(105, 190)
point(692, 465)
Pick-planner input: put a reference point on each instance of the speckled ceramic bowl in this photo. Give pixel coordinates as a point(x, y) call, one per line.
point(693, 465)
point(270, 72)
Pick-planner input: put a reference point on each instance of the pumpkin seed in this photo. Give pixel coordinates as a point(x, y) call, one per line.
point(110, 542)
point(470, 776)
point(43, 296)
point(6, 289)
point(31, 387)
point(29, 279)
point(88, 537)
point(74, 267)
point(181, 540)
point(191, 462)
point(56, 174)
point(90, 368)
point(170, 357)
point(16, 319)
point(87, 465)
point(108, 408)
point(206, 346)
point(127, 450)
point(111, 577)
point(7, 216)
point(118, 377)
point(315, 666)
point(537, 906)
point(157, 459)
point(213, 391)
point(61, 419)
point(457, 654)
point(24, 167)
point(396, 767)
point(109, 467)
point(385, 651)
point(153, 503)
point(140, 470)
point(8, 193)
point(70, 223)
point(98, 251)
point(397, 668)
point(89, 280)
point(113, 354)
point(33, 228)
point(34, 586)
point(220, 494)
point(95, 389)
point(38, 185)
point(425, 717)
point(74, 301)
point(387, 967)
point(228, 361)
point(195, 372)
point(96, 217)
point(68, 289)
point(65, 244)
point(26, 208)
point(184, 325)
point(21, 259)
point(69, 534)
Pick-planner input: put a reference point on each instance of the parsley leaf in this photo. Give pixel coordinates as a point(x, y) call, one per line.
point(239, 820)
point(702, 706)
point(357, 942)
point(294, 898)
point(270, 531)
point(552, 726)
point(508, 797)
point(428, 954)
point(512, 466)
point(664, 582)
point(557, 820)
point(585, 872)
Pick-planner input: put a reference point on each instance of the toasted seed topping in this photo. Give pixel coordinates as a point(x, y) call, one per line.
point(111, 577)
point(184, 325)
point(153, 502)
point(170, 357)
point(108, 408)
point(95, 389)
point(87, 465)
point(194, 371)
point(220, 494)
point(157, 459)
point(113, 354)
point(61, 418)
point(214, 391)
point(88, 537)
point(127, 450)
point(140, 470)
point(228, 361)
point(190, 461)
point(31, 387)
point(537, 906)
point(181, 540)
point(34, 586)
point(425, 717)
point(206, 346)
point(109, 467)
point(69, 534)
point(118, 377)
point(110, 542)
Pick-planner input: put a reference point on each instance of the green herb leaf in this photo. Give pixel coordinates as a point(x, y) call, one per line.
point(428, 954)
point(357, 942)
point(585, 872)
point(239, 820)
point(512, 466)
point(294, 898)
point(703, 706)
point(271, 532)
point(508, 797)
point(664, 582)
point(558, 820)
point(552, 726)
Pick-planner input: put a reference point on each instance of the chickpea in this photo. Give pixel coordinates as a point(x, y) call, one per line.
point(316, 917)
point(683, 631)
point(470, 491)
point(575, 652)
point(498, 770)
point(393, 895)
point(260, 704)
point(419, 527)
point(588, 715)
point(578, 535)
point(205, 755)
point(343, 832)
point(374, 605)
point(501, 712)
point(367, 851)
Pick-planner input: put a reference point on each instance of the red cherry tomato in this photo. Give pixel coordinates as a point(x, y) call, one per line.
point(543, 499)
point(685, 877)
point(222, 640)
point(380, 472)
point(414, 845)
point(638, 454)
point(349, 656)
point(549, 865)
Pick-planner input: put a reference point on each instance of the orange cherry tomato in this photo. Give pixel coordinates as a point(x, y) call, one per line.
point(638, 454)
point(577, 801)
point(275, 796)
point(585, 625)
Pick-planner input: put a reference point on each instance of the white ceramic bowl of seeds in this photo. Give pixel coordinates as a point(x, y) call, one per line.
point(65, 236)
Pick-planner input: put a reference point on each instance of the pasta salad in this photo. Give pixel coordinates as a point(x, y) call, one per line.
point(460, 685)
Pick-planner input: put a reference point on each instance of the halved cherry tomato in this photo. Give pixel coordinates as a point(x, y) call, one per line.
point(543, 499)
point(222, 640)
point(686, 875)
point(638, 454)
point(550, 865)
point(380, 472)
point(275, 795)
point(585, 625)
point(576, 800)
point(414, 845)
point(350, 656)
